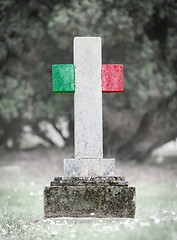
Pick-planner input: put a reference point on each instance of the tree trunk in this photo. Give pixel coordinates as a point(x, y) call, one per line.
point(156, 127)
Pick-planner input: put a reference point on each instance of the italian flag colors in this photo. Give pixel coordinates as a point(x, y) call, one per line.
point(63, 76)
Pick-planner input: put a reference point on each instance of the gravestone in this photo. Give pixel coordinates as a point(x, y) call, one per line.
point(89, 187)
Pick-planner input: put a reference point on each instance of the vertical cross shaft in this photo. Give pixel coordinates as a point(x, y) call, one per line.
point(88, 98)
point(88, 159)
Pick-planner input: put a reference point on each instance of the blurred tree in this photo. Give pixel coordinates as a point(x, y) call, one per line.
point(140, 34)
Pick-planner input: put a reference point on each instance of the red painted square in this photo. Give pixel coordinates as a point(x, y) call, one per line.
point(112, 77)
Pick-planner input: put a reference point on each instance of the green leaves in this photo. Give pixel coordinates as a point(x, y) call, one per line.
point(3, 52)
point(15, 95)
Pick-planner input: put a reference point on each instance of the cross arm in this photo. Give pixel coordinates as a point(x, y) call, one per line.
point(112, 78)
point(63, 76)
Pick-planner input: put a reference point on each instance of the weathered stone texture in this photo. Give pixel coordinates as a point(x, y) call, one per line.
point(67, 200)
point(89, 167)
point(88, 98)
point(98, 181)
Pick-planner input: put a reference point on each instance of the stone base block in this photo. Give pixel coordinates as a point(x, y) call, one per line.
point(86, 167)
point(106, 197)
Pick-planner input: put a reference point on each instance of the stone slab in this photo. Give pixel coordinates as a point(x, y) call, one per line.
point(92, 181)
point(89, 167)
point(88, 98)
point(89, 201)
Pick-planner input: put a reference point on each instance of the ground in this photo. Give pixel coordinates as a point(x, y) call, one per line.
point(23, 176)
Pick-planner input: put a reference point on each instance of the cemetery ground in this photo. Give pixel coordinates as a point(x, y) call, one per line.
point(24, 174)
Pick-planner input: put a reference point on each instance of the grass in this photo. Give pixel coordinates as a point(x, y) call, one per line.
point(21, 216)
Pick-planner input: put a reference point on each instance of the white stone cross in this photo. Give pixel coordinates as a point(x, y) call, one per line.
point(88, 160)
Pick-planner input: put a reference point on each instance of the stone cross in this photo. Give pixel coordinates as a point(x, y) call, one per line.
point(88, 78)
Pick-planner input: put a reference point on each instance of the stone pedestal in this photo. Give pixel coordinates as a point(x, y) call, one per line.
point(89, 197)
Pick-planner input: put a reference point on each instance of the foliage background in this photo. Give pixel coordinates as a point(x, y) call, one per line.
point(139, 34)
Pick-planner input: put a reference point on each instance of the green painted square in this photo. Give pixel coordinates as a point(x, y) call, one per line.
point(63, 76)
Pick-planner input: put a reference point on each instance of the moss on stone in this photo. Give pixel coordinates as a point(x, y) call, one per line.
point(81, 201)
